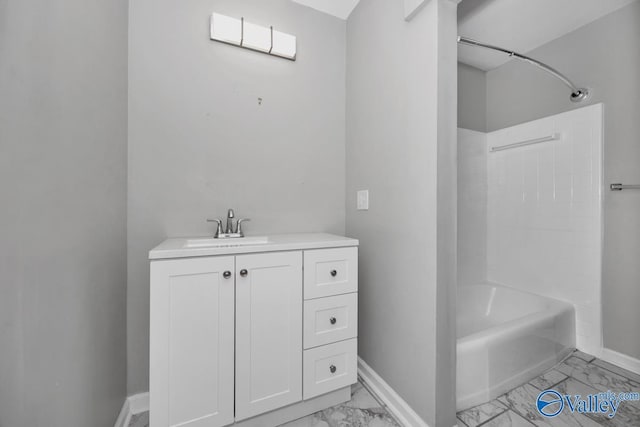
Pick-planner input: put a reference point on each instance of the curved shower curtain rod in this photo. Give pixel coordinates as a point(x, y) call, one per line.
point(577, 94)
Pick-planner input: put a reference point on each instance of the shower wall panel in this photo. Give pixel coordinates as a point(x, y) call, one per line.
point(472, 207)
point(544, 221)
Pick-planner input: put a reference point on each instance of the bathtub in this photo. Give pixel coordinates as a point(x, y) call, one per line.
point(507, 337)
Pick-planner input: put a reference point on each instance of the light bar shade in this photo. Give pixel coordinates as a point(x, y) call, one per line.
point(284, 45)
point(226, 29)
point(251, 36)
point(256, 37)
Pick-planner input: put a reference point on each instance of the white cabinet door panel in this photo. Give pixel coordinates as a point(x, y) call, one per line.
point(268, 332)
point(191, 347)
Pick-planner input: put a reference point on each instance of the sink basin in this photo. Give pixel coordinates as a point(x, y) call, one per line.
point(223, 243)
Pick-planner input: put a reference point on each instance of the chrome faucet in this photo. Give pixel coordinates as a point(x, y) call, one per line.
point(230, 216)
point(230, 232)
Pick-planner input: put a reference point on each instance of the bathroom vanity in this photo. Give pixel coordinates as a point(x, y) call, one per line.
point(251, 332)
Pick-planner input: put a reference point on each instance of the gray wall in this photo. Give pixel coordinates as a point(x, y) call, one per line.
point(604, 56)
point(199, 143)
point(63, 135)
point(472, 98)
point(401, 124)
point(472, 175)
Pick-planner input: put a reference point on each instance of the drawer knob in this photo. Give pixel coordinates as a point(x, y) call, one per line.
point(334, 273)
point(333, 320)
point(226, 274)
point(244, 272)
point(332, 368)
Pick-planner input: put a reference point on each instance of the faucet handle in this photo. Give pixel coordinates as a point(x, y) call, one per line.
point(218, 228)
point(239, 225)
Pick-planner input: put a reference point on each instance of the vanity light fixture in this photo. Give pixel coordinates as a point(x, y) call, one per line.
point(238, 32)
point(255, 37)
point(226, 29)
point(284, 45)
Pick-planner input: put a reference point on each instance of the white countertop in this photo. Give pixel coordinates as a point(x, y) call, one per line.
point(179, 247)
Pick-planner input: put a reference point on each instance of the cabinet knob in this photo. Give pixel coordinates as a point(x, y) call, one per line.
point(334, 273)
point(332, 368)
point(244, 272)
point(333, 320)
point(226, 274)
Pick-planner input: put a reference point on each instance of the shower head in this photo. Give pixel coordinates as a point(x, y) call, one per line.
point(577, 94)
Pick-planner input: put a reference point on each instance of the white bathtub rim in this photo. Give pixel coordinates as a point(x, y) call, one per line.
point(593, 345)
point(532, 293)
point(512, 328)
point(555, 309)
point(517, 324)
point(515, 289)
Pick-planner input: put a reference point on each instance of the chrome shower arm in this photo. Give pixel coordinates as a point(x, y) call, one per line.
point(577, 94)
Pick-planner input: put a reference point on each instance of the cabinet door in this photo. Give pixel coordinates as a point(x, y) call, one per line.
point(268, 332)
point(191, 357)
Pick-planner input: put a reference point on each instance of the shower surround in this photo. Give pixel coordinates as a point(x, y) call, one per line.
point(544, 214)
point(530, 223)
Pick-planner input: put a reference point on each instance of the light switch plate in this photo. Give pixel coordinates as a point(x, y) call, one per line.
point(363, 200)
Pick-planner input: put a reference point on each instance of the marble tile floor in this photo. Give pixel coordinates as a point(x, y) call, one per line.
point(363, 410)
point(579, 374)
point(140, 420)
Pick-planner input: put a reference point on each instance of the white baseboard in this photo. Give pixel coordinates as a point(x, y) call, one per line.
point(395, 404)
point(622, 360)
point(133, 405)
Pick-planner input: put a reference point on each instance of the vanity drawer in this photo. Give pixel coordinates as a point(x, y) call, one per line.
point(330, 272)
point(330, 319)
point(330, 368)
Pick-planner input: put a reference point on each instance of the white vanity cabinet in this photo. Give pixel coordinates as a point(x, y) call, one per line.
point(247, 335)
